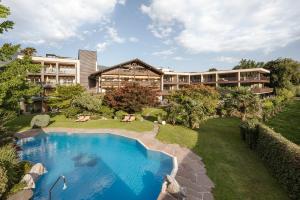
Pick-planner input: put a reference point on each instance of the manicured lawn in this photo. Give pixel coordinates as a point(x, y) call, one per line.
point(287, 122)
point(236, 171)
point(23, 123)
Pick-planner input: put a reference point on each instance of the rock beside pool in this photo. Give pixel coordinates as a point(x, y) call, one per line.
point(29, 179)
point(35, 172)
point(174, 188)
point(21, 195)
point(38, 169)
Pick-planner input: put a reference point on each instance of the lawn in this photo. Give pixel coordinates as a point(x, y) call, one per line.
point(236, 171)
point(23, 123)
point(287, 122)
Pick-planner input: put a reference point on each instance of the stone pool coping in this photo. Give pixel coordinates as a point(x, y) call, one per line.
point(188, 168)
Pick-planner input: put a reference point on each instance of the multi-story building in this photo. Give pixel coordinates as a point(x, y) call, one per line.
point(256, 78)
point(166, 80)
point(130, 71)
point(57, 70)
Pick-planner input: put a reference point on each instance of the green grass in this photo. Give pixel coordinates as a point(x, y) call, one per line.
point(23, 123)
point(287, 122)
point(236, 171)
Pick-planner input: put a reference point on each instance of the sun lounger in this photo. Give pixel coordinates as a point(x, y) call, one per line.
point(83, 118)
point(131, 118)
point(86, 118)
point(126, 118)
point(80, 118)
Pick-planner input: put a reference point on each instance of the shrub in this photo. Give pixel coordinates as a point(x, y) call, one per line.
point(87, 102)
point(71, 112)
point(280, 155)
point(40, 121)
point(131, 98)
point(192, 105)
point(268, 108)
point(242, 103)
point(106, 111)
point(285, 93)
point(3, 181)
point(120, 113)
point(297, 91)
point(153, 114)
point(9, 162)
point(63, 95)
point(139, 117)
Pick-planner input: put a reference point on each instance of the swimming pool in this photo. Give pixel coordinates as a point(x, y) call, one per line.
point(96, 166)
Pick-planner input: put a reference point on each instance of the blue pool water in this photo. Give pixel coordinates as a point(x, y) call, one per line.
point(96, 166)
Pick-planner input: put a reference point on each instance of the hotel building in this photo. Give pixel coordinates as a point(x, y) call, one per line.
point(166, 80)
point(58, 70)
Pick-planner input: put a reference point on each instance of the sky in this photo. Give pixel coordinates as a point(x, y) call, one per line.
point(183, 35)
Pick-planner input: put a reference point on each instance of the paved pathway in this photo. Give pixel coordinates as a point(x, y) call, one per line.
point(191, 173)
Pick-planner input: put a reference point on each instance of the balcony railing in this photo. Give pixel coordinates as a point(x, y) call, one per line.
point(67, 71)
point(263, 90)
point(227, 79)
point(50, 71)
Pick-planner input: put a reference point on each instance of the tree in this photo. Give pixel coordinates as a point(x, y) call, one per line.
point(63, 95)
point(28, 51)
point(242, 103)
point(131, 98)
point(5, 25)
point(284, 73)
point(212, 70)
point(248, 64)
point(192, 105)
point(14, 85)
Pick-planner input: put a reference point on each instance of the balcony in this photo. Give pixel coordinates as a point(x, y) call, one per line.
point(227, 79)
point(264, 90)
point(255, 79)
point(67, 71)
point(50, 70)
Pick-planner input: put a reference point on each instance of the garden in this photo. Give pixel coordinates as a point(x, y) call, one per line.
point(227, 127)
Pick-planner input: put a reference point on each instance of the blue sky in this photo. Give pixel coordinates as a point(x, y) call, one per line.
point(184, 35)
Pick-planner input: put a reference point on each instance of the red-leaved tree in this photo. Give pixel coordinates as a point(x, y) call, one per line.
point(131, 98)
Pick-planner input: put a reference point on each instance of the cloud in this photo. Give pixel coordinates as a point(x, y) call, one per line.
point(55, 20)
point(217, 26)
point(101, 46)
point(122, 2)
point(178, 58)
point(228, 59)
point(114, 36)
point(133, 39)
point(167, 52)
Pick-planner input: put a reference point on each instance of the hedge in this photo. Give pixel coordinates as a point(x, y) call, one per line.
point(40, 121)
point(280, 155)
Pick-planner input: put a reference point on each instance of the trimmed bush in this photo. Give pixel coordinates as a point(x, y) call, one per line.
point(280, 155)
point(40, 121)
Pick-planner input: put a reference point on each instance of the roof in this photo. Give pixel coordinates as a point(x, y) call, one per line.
point(147, 66)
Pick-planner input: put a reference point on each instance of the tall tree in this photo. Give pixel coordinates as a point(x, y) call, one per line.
point(131, 98)
point(6, 24)
point(212, 70)
point(284, 72)
point(28, 51)
point(247, 64)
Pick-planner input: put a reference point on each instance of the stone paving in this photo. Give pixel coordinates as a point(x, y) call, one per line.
point(190, 173)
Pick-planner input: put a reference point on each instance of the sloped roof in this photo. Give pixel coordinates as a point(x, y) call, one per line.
point(142, 63)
